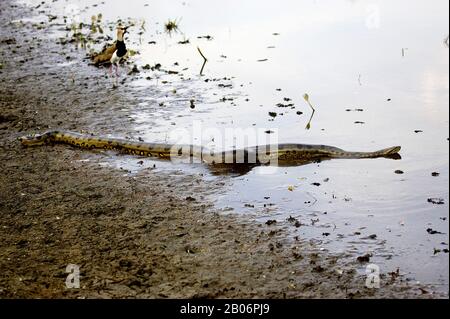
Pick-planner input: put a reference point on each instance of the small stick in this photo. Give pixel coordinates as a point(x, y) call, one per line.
point(204, 62)
point(200, 51)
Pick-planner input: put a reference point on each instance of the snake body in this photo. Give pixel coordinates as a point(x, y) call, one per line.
point(281, 153)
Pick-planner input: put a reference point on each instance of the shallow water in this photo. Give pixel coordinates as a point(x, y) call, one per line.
point(385, 61)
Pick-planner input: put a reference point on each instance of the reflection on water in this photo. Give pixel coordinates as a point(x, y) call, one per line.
point(377, 73)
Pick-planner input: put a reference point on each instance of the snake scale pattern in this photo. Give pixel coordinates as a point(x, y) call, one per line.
point(284, 154)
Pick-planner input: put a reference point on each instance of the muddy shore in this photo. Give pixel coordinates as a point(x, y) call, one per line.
point(147, 235)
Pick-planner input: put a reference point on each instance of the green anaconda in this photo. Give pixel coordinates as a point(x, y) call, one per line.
point(283, 154)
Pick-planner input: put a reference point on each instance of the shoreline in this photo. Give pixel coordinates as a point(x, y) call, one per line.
point(145, 235)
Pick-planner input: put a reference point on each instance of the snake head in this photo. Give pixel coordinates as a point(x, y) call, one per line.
point(33, 140)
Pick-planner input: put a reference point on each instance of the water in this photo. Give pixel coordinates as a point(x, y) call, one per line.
point(388, 58)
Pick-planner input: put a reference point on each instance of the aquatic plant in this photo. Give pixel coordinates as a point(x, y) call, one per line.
point(306, 97)
point(171, 26)
point(96, 24)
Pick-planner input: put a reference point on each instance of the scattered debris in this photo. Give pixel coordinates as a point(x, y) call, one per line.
point(207, 37)
point(318, 269)
point(294, 221)
point(281, 105)
point(271, 222)
point(434, 232)
point(156, 67)
point(395, 274)
point(205, 60)
point(371, 237)
point(190, 250)
point(8, 41)
point(435, 174)
point(436, 201)
point(134, 70)
point(365, 258)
